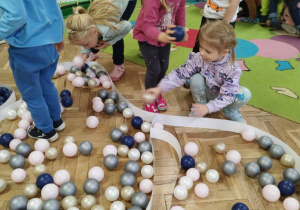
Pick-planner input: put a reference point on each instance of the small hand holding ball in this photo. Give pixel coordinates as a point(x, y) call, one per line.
point(179, 33)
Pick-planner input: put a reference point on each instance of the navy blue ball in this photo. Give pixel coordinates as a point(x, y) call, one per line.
point(66, 101)
point(64, 93)
point(3, 90)
point(2, 99)
point(43, 179)
point(137, 122)
point(128, 141)
point(239, 206)
point(6, 95)
point(178, 34)
point(187, 162)
point(1, 103)
point(286, 188)
point(5, 139)
point(84, 67)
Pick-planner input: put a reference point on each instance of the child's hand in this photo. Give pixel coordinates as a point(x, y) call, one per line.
point(84, 57)
point(165, 36)
point(102, 44)
point(154, 91)
point(200, 110)
point(185, 38)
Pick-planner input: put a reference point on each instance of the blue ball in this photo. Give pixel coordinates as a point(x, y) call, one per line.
point(128, 141)
point(66, 101)
point(178, 34)
point(6, 95)
point(43, 179)
point(286, 188)
point(2, 99)
point(187, 162)
point(3, 90)
point(5, 139)
point(64, 93)
point(239, 206)
point(137, 122)
point(84, 67)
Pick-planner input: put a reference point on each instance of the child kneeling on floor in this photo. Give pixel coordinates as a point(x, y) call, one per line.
point(216, 74)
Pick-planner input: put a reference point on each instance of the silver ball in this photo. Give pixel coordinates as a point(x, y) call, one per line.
point(139, 199)
point(73, 69)
point(265, 142)
point(103, 94)
point(85, 147)
point(121, 105)
point(110, 162)
point(252, 169)
point(18, 202)
point(265, 179)
point(100, 73)
point(276, 151)
point(86, 80)
point(144, 146)
point(91, 186)
point(291, 174)
point(68, 188)
point(132, 167)
point(113, 95)
point(89, 69)
point(228, 168)
point(51, 204)
point(116, 134)
point(123, 128)
point(17, 161)
point(265, 163)
point(109, 108)
point(135, 208)
point(23, 149)
point(127, 179)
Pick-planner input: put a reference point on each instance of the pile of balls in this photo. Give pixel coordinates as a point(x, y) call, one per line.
point(4, 95)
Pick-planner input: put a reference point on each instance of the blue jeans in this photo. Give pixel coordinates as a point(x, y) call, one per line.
point(33, 69)
point(201, 93)
point(273, 9)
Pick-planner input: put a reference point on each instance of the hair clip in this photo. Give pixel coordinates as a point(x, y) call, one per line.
point(70, 31)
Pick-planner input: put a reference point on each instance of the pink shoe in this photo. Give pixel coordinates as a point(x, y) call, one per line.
point(93, 57)
point(150, 107)
point(117, 73)
point(161, 103)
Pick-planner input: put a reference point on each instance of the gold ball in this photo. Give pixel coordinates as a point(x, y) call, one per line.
point(69, 139)
point(98, 207)
point(88, 201)
point(69, 201)
point(51, 153)
point(201, 166)
point(78, 73)
point(95, 67)
point(123, 150)
point(123, 128)
point(55, 75)
point(127, 192)
point(287, 160)
point(39, 169)
point(220, 147)
point(109, 101)
point(3, 185)
point(30, 190)
point(92, 83)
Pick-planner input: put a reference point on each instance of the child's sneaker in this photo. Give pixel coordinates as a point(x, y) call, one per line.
point(187, 83)
point(161, 103)
point(234, 115)
point(263, 20)
point(275, 23)
point(117, 73)
point(151, 107)
point(59, 125)
point(34, 132)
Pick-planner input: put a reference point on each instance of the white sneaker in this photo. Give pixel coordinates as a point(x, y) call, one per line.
point(2, 41)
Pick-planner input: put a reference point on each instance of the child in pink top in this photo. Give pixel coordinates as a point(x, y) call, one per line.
point(152, 29)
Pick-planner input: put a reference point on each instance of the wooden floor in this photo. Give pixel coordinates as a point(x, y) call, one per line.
point(223, 194)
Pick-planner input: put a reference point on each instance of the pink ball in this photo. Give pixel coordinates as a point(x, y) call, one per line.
point(41, 145)
point(193, 174)
point(27, 116)
point(177, 208)
point(146, 186)
point(158, 125)
point(234, 156)
point(20, 133)
point(78, 61)
point(96, 173)
point(49, 191)
point(61, 176)
point(98, 106)
point(92, 122)
point(97, 81)
point(91, 74)
point(78, 82)
point(60, 69)
point(291, 204)
point(139, 137)
point(62, 108)
point(271, 193)
point(103, 78)
point(18, 175)
point(14, 143)
point(96, 99)
point(36, 158)
point(201, 190)
point(109, 149)
point(248, 134)
point(70, 149)
point(71, 76)
point(23, 124)
point(191, 149)
point(106, 84)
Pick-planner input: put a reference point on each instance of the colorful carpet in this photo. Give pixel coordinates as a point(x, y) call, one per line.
point(270, 62)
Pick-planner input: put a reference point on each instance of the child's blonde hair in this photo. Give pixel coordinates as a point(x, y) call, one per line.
point(164, 4)
point(100, 12)
point(220, 35)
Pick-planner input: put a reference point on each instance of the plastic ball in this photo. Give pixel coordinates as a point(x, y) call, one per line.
point(109, 149)
point(146, 186)
point(139, 137)
point(127, 179)
point(106, 84)
point(112, 193)
point(10, 114)
point(139, 199)
point(18, 175)
point(128, 141)
point(147, 157)
point(70, 149)
point(61, 176)
point(158, 125)
point(239, 206)
point(49, 191)
point(212, 176)
point(116, 134)
point(193, 174)
point(96, 173)
point(102, 94)
point(291, 204)
point(4, 156)
point(147, 171)
point(265, 163)
point(220, 147)
point(271, 193)
point(186, 182)
point(286, 188)
point(265, 179)
point(98, 106)
point(177, 208)
point(17, 161)
point(88, 201)
point(92, 75)
point(23, 149)
point(137, 122)
point(127, 193)
point(228, 168)
point(121, 106)
point(132, 167)
point(127, 113)
point(30, 190)
point(43, 180)
point(201, 166)
point(287, 160)
point(117, 205)
point(14, 143)
point(41, 145)
point(20, 112)
point(23, 124)
point(201, 190)
point(179, 33)
point(123, 151)
point(114, 96)
point(180, 192)
point(5, 139)
point(123, 128)
point(36, 158)
point(146, 127)
point(265, 142)
point(248, 134)
point(191, 149)
point(68, 188)
point(27, 116)
point(110, 162)
point(91, 186)
point(276, 151)
point(252, 169)
point(78, 61)
point(187, 162)
point(103, 78)
point(78, 82)
point(51, 153)
point(92, 122)
point(69, 201)
point(85, 148)
point(84, 67)
point(20, 133)
point(291, 174)
point(233, 156)
point(64, 93)
point(70, 77)
point(96, 99)
point(67, 101)
point(109, 108)
point(39, 169)
point(18, 202)
point(35, 204)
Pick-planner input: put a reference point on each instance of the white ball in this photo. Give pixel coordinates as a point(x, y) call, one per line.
point(20, 112)
point(22, 105)
point(139, 137)
point(92, 122)
point(145, 127)
point(117, 205)
point(23, 124)
point(14, 143)
point(35, 204)
point(4, 156)
point(146, 186)
point(78, 61)
point(10, 114)
point(180, 192)
point(61, 176)
point(177, 208)
point(112, 193)
point(134, 154)
point(147, 157)
point(234, 156)
point(127, 113)
point(248, 134)
point(49, 191)
point(147, 171)
point(186, 181)
point(291, 204)
point(212, 176)
point(18, 175)
point(191, 149)
point(60, 69)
